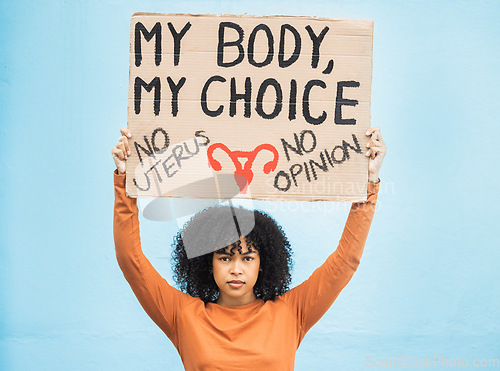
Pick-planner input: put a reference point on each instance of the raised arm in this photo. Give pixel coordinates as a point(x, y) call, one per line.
point(311, 299)
point(160, 301)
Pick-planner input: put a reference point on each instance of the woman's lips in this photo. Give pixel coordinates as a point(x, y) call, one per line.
point(236, 284)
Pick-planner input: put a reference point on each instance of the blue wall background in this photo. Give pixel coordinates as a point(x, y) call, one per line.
point(429, 280)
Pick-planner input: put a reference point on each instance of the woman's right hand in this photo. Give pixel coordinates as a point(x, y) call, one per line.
point(121, 151)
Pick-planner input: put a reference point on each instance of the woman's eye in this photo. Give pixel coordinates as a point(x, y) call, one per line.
point(224, 259)
point(248, 258)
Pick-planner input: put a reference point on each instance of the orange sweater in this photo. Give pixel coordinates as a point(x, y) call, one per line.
point(256, 336)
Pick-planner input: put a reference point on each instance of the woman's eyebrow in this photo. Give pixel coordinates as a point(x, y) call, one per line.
point(249, 252)
point(231, 254)
point(224, 253)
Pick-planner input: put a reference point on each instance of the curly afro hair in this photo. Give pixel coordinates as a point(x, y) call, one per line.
point(216, 228)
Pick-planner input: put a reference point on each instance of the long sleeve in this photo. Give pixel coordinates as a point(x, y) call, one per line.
point(160, 300)
point(310, 300)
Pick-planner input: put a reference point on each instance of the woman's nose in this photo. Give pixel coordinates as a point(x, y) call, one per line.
point(236, 267)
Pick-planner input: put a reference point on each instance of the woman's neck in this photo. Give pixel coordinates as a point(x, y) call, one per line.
point(228, 301)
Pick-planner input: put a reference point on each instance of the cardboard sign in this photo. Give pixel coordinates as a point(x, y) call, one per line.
point(272, 108)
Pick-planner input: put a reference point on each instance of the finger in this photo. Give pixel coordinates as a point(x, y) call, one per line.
point(370, 131)
point(125, 132)
point(370, 153)
point(375, 134)
point(377, 152)
point(380, 140)
point(378, 136)
point(124, 140)
point(378, 148)
point(120, 152)
point(374, 143)
point(117, 153)
point(121, 147)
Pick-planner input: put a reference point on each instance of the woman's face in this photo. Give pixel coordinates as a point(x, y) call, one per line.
point(235, 273)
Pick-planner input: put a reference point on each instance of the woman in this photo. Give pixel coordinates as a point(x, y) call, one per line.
point(236, 312)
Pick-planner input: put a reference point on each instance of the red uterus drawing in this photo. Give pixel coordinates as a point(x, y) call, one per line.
point(243, 174)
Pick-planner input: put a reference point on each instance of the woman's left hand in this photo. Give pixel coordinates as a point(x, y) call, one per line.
point(376, 152)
